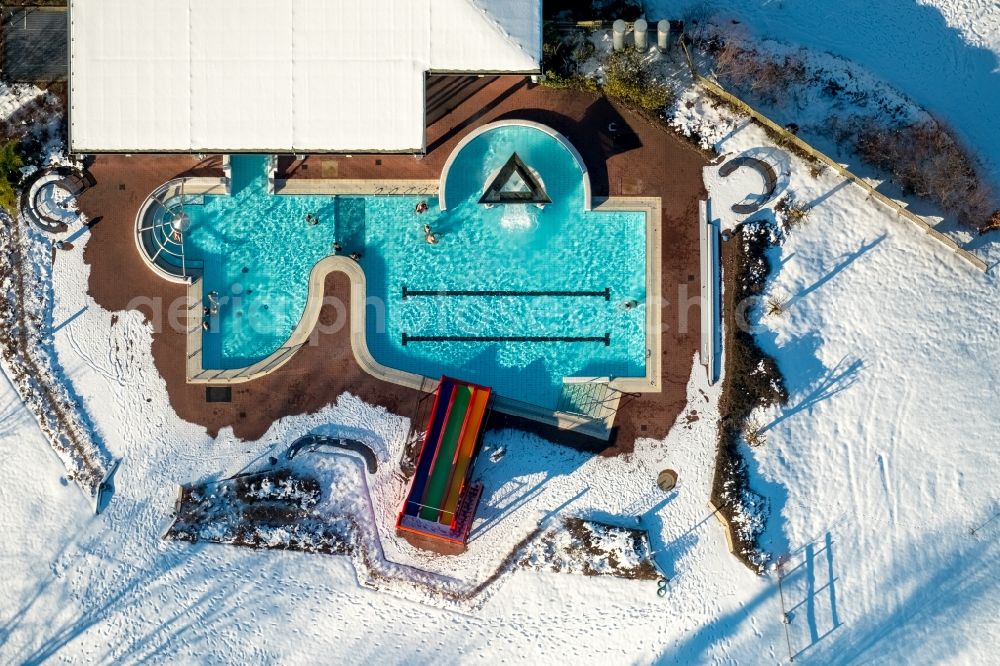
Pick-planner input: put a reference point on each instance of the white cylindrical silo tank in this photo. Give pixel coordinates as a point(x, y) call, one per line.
point(662, 34)
point(641, 32)
point(618, 35)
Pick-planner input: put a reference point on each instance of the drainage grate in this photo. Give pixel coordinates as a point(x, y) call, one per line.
point(218, 394)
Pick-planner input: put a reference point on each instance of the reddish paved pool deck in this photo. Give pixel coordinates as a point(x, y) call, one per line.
point(640, 158)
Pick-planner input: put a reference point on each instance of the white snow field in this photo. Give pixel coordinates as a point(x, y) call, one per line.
point(107, 588)
point(876, 472)
point(882, 463)
point(880, 470)
point(945, 54)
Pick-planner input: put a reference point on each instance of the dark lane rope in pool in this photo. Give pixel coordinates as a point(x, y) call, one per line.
point(407, 292)
point(606, 338)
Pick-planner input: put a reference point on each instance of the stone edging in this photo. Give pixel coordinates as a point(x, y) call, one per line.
point(196, 374)
point(346, 186)
point(727, 529)
point(715, 89)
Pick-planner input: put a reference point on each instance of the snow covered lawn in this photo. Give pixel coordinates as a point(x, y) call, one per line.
point(884, 459)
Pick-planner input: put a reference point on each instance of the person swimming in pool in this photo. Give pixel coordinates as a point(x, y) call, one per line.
point(356, 256)
point(421, 208)
point(429, 235)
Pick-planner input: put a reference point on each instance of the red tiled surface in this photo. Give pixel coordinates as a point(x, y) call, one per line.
point(640, 159)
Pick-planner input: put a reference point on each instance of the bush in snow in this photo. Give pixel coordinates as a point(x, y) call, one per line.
point(627, 78)
point(790, 212)
point(592, 549)
point(925, 160)
point(10, 174)
point(751, 380)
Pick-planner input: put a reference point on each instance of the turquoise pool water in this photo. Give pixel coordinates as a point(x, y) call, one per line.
point(258, 251)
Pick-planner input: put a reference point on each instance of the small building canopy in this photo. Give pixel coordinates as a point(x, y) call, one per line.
point(279, 75)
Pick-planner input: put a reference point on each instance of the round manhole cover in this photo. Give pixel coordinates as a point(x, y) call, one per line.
point(666, 480)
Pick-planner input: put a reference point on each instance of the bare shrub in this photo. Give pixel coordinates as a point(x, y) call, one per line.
point(753, 433)
point(992, 225)
point(748, 70)
point(791, 212)
point(925, 160)
point(775, 306)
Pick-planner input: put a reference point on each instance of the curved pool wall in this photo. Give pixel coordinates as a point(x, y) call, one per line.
point(475, 135)
point(258, 252)
point(162, 256)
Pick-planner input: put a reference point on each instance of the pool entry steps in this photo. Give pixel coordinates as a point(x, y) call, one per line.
point(440, 505)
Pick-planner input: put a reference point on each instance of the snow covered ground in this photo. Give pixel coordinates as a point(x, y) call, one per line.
point(882, 464)
point(945, 54)
point(107, 588)
point(880, 471)
point(876, 471)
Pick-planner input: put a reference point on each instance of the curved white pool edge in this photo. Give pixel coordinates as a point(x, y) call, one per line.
point(442, 202)
point(599, 428)
point(197, 185)
point(197, 374)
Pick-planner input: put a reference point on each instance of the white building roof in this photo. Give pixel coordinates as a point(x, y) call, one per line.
point(278, 75)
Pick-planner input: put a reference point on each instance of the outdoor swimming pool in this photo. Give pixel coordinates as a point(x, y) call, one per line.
point(258, 250)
